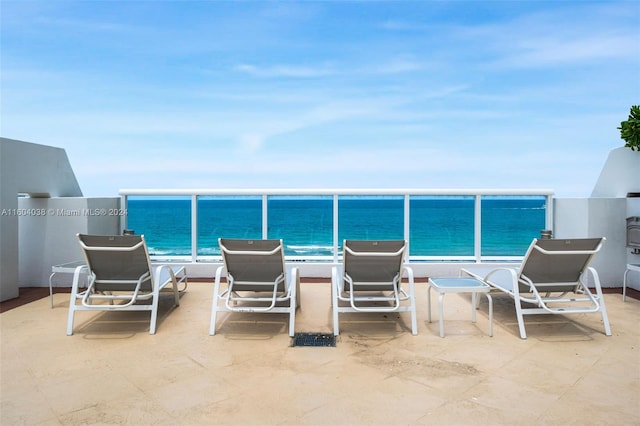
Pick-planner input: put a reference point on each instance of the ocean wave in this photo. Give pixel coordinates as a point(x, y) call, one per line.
point(209, 251)
point(308, 246)
point(153, 251)
point(309, 249)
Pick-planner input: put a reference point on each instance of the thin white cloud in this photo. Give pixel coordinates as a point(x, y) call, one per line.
point(400, 64)
point(554, 51)
point(83, 25)
point(284, 71)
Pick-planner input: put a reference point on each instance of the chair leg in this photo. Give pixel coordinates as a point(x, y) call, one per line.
point(214, 302)
point(176, 294)
point(475, 304)
point(624, 285)
point(294, 303)
point(51, 289)
point(428, 303)
point(603, 308)
point(520, 316)
point(605, 319)
point(72, 300)
point(70, 318)
point(334, 300)
point(490, 314)
point(212, 325)
point(292, 317)
point(296, 278)
point(412, 300)
point(154, 311)
point(176, 291)
point(414, 320)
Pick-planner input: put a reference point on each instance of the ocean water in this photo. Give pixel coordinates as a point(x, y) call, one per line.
point(439, 226)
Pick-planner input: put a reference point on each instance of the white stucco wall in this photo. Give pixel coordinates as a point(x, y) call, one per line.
point(592, 218)
point(50, 239)
point(620, 174)
point(27, 168)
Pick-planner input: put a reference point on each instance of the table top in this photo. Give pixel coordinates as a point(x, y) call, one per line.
point(459, 285)
point(69, 267)
point(633, 266)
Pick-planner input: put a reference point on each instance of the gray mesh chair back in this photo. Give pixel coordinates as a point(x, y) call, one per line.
point(116, 261)
point(561, 261)
point(251, 262)
point(370, 263)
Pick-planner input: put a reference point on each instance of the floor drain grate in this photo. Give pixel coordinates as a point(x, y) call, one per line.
point(314, 339)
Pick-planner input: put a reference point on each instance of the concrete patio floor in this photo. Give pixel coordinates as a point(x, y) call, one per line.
point(111, 371)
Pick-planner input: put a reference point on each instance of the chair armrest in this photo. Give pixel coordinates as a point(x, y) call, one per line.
point(166, 274)
point(219, 271)
point(408, 271)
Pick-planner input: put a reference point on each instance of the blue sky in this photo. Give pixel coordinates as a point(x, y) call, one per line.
point(311, 94)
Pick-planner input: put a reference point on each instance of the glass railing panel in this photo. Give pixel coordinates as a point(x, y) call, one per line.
point(370, 217)
point(165, 222)
point(441, 225)
point(227, 217)
point(509, 223)
point(304, 223)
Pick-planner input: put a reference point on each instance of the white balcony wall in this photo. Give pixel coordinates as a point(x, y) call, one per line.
point(619, 177)
point(591, 218)
point(27, 168)
point(47, 234)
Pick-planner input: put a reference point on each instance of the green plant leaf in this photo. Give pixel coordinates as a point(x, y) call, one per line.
point(630, 129)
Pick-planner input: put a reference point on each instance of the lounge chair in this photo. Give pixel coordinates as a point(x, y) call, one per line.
point(551, 277)
point(370, 280)
point(121, 276)
point(256, 280)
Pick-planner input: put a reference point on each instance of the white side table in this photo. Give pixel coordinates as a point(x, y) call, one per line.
point(64, 268)
point(459, 285)
point(630, 267)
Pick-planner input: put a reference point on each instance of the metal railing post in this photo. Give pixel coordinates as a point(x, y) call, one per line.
point(265, 215)
point(194, 227)
point(407, 227)
point(335, 228)
point(477, 228)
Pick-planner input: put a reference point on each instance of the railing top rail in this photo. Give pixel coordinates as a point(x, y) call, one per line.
point(339, 191)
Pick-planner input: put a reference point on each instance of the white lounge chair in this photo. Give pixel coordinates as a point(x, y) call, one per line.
point(256, 280)
point(552, 278)
point(121, 276)
point(371, 280)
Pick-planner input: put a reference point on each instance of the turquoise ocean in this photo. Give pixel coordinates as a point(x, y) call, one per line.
point(439, 226)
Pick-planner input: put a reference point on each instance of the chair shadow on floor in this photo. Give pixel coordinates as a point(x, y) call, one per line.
point(542, 327)
point(121, 324)
point(243, 326)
